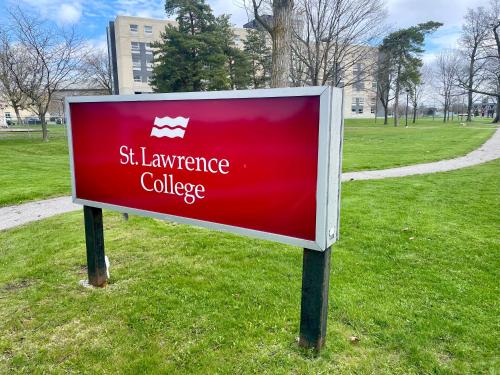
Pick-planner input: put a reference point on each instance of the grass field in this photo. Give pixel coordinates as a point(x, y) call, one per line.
point(32, 169)
point(375, 146)
point(414, 276)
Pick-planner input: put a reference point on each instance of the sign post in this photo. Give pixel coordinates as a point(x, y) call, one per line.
point(314, 301)
point(94, 239)
point(261, 163)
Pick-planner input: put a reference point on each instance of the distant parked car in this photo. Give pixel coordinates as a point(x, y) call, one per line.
point(56, 120)
point(33, 121)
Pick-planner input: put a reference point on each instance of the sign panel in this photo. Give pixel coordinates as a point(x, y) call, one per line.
point(264, 163)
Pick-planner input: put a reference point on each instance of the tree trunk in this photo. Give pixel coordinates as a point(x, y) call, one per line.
point(386, 110)
point(45, 133)
point(469, 106)
point(445, 109)
point(497, 40)
point(414, 113)
point(496, 120)
point(396, 97)
point(396, 106)
point(18, 115)
point(470, 84)
point(281, 36)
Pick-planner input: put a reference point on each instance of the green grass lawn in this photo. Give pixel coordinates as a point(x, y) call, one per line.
point(32, 169)
point(414, 276)
point(376, 146)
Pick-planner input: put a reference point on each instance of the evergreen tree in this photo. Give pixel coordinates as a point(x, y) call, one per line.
point(191, 57)
point(401, 51)
point(239, 69)
point(259, 54)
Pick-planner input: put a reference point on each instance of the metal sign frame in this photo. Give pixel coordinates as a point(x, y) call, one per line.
point(329, 160)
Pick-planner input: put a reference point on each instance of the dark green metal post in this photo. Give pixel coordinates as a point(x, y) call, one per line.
point(94, 238)
point(314, 304)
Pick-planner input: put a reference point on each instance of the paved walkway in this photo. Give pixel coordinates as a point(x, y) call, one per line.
point(490, 150)
point(13, 216)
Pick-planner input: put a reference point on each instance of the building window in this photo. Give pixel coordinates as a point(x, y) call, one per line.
point(359, 78)
point(357, 105)
point(148, 29)
point(357, 68)
point(372, 109)
point(137, 78)
point(359, 85)
point(135, 46)
point(374, 85)
point(134, 28)
point(136, 62)
point(7, 114)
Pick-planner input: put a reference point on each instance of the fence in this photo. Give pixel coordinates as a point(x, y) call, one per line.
point(32, 120)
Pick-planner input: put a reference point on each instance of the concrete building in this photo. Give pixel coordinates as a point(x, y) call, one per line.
point(55, 113)
point(131, 59)
point(360, 98)
point(130, 49)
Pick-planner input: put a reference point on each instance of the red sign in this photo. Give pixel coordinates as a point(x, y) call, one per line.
point(256, 162)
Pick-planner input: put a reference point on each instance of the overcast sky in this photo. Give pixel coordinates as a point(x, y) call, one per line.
point(92, 16)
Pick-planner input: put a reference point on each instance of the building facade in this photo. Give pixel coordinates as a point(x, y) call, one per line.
point(55, 113)
point(130, 50)
point(131, 58)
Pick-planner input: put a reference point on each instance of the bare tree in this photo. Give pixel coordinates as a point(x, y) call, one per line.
point(54, 57)
point(417, 90)
point(279, 27)
point(489, 74)
point(385, 79)
point(298, 70)
point(333, 37)
point(96, 68)
point(474, 34)
point(13, 63)
point(445, 78)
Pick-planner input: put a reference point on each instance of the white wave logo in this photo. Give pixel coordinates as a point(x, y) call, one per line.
point(169, 127)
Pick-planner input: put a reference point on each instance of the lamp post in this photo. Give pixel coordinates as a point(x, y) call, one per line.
point(406, 111)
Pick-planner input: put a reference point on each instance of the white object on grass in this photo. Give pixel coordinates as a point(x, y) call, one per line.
point(106, 260)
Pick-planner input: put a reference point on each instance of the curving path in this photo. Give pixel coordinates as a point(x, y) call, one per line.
point(13, 216)
point(490, 150)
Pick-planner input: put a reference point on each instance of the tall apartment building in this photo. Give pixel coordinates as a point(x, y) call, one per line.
point(360, 97)
point(131, 53)
point(131, 57)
